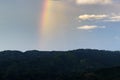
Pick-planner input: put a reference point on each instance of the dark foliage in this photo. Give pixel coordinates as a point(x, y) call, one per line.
point(59, 65)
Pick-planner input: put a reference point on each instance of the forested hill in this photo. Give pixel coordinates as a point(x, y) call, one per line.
point(54, 65)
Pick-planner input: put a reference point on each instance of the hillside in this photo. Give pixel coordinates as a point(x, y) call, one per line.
point(54, 65)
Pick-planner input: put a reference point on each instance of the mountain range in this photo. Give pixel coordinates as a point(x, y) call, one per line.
point(58, 65)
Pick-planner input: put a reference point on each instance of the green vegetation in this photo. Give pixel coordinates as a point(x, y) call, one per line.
point(82, 64)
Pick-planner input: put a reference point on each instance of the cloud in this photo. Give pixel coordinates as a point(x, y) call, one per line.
point(100, 17)
point(93, 16)
point(90, 27)
point(117, 37)
point(93, 1)
point(114, 18)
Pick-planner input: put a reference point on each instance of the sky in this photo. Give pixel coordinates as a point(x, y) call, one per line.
point(60, 25)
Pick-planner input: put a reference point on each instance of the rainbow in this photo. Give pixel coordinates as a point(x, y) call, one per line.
point(49, 21)
point(45, 22)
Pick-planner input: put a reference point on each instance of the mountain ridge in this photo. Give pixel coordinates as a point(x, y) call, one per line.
point(54, 65)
